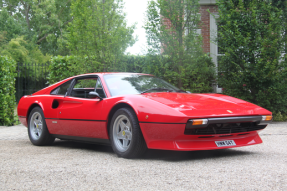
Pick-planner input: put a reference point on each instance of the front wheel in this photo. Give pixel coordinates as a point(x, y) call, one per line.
point(37, 128)
point(125, 134)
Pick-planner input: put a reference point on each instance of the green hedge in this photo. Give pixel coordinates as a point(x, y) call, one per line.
point(62, 67)
point(197, 77)
point(7, 90)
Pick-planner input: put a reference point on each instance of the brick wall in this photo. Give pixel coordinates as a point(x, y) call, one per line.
point(205, 24)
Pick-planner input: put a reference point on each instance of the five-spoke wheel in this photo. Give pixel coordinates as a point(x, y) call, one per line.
point(125, 134)
point(36, 125)
point(37, 128)
point(122, 133)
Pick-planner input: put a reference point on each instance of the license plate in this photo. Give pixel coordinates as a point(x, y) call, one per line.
point(225, 143)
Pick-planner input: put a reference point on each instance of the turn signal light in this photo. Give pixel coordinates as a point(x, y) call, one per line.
point(267, 118)
point(199, 121)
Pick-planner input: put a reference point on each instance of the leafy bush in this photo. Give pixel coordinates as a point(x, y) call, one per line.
point(279, 117)
point(62, 67)
point(130, 63)
point(253, 68)
point(7, 90)
point(195, 77)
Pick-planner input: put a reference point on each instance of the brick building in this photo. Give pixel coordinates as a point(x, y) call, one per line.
point(209, 31)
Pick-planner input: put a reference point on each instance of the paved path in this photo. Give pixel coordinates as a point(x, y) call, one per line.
point(77, 166)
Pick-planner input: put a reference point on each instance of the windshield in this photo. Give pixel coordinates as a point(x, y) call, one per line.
point(123, 84)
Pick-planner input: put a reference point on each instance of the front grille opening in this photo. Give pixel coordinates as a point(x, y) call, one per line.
point(225, 128)
point(242, 134)
point(225, 135)
point(205, 136)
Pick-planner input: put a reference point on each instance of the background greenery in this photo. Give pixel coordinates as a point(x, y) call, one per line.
point(98, 35)
point(175, 47)
point(41, 22)
point(7, 90)
point(254, 66)
point(62, 67)
point(81, 36)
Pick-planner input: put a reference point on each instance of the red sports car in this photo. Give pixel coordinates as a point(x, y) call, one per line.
point(133, 112)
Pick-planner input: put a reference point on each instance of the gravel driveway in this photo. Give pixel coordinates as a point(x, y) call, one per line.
point(77, 166)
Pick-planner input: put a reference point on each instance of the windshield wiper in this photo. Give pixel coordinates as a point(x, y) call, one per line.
point(161, 89)
point(180, 90)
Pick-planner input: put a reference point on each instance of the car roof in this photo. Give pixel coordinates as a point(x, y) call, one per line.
point(113, 73)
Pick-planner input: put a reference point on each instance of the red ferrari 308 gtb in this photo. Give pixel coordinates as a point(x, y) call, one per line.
point(133, 112)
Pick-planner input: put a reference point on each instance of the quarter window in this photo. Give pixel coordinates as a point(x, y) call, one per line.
point(62, 89)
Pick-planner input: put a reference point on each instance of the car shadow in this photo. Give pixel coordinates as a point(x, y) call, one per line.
point(82, 145)
point(151, 154)
point(166, 155)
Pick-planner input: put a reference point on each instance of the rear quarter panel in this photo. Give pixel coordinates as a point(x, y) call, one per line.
point(43, 101)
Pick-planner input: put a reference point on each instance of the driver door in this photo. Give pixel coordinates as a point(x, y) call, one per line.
point(79, 115)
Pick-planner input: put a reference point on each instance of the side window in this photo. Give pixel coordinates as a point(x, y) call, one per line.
point(100, 89)
point(62, 89)
point(83, 86)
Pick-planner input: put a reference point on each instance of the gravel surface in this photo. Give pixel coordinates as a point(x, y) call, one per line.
point(77, 166)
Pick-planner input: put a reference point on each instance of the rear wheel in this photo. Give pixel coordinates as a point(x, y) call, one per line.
point(125, 134)
point(37, 128)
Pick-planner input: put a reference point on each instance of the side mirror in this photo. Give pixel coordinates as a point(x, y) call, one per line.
point(94, 95)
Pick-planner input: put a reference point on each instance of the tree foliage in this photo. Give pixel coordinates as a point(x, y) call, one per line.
point(98, 35)
point(282, 5)
point(9, 27)
point(22, 51)
point(7, 90)
point(42, 22)
point(253, 68)
point(171, 29)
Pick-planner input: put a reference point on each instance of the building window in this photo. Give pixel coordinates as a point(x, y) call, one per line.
point(215, 52)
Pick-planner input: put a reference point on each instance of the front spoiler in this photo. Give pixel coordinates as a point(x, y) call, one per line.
point(196, 144)
point(172, 137)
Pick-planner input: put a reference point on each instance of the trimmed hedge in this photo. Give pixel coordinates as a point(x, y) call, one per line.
point(197, 77)
point(7, 90)
point(62, 67)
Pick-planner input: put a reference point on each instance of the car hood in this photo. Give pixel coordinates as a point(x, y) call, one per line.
point(203, 105)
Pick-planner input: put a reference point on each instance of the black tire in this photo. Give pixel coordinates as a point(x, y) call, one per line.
point(37, 129)
point(127, 142)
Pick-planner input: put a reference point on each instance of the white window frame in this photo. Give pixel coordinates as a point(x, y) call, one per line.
point(196, 30)
point(213, 47)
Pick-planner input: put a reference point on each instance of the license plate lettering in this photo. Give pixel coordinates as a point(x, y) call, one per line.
point(225, 143)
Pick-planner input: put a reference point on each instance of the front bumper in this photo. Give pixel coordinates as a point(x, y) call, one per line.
point(172, 137)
